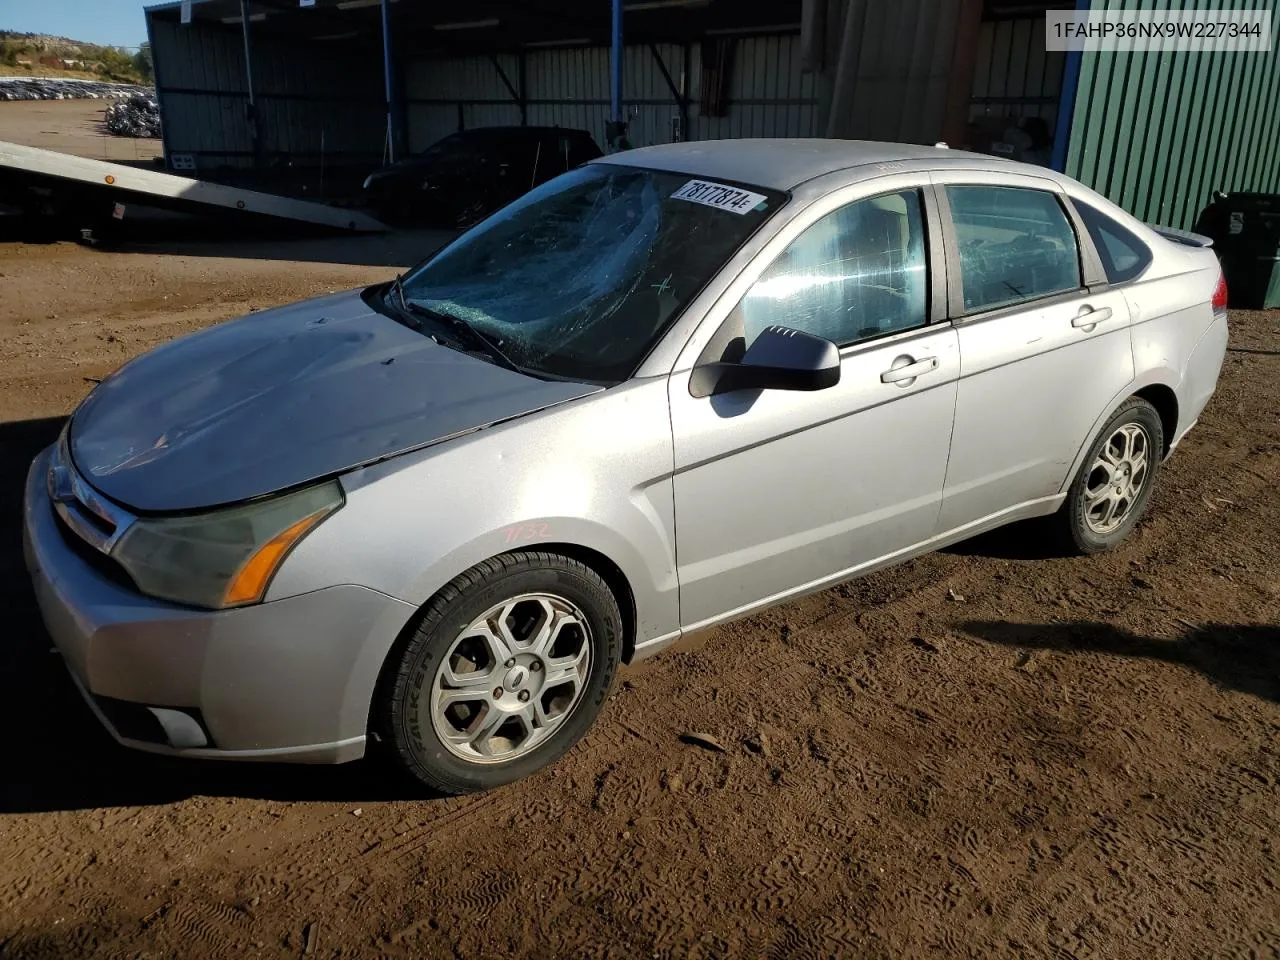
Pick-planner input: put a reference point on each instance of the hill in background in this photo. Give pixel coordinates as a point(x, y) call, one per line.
point(36, 55)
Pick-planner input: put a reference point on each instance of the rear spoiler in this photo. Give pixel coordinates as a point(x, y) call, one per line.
point(1184, 237)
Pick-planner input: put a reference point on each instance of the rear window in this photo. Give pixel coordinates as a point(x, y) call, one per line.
point(1015, 244)
point(1123, 255)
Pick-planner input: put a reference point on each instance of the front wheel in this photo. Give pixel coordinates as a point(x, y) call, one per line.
point(506, 670)
point(1111, 492)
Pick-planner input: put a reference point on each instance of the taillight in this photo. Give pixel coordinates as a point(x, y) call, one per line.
point(1220, 295)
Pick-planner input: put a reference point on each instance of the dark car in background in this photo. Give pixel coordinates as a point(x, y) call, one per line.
point(464, 177)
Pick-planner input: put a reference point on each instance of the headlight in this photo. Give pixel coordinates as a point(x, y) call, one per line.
point(368, 181)
point(224, 558)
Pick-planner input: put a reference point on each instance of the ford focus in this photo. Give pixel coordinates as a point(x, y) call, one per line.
point(665, 389)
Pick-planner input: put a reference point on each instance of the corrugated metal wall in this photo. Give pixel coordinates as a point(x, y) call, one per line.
point(1014, 76)
point(569, 87)
point(891, 73)
point(1158, 132)
point(301, 98)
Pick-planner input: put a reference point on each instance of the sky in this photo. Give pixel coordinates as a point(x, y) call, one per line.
point(117, 23)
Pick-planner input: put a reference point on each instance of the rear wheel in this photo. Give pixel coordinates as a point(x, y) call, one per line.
point(506, 670)
point(1111, 492)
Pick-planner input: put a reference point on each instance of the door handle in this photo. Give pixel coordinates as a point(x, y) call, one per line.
point(909, 370)
point(1088, 317)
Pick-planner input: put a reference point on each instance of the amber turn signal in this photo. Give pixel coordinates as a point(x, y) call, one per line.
point(250, 581)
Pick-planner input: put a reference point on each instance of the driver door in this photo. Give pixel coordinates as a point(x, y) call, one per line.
point(777, 491)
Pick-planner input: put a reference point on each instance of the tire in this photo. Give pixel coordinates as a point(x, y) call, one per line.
point(438, 712)
point(1083, 520)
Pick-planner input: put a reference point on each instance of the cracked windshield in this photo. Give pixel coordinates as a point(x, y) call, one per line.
point(579, 278)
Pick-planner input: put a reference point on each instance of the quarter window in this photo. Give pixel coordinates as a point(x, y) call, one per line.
point(1015, 244)
point(1123, 255)
point(857, 273)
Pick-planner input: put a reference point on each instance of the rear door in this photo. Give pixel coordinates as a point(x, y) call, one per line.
point(1044, 341)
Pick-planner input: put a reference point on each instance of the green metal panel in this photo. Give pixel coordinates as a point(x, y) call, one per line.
point(1158, 132)
point(1153, 84)
point(1235, 145)
point(1269, 153)
point(1136, 84)
point(1248, 159)
point(1188, 191)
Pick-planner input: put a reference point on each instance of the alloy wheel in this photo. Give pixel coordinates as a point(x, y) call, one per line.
point(511, 678)
point(1116, 478)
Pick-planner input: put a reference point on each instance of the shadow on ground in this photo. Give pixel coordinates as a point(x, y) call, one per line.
point(1244, 657)
point(1034, 539)
point(57, 757)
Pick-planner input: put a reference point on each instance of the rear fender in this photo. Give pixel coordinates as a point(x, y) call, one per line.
point(1160, 376)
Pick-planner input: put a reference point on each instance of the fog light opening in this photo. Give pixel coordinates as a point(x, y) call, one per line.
point(182, 730)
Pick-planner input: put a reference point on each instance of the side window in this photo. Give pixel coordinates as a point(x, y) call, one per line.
point(859, 272)
point(1123, 255)
point(1015, 244)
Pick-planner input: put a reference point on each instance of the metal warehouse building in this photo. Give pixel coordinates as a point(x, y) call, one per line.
point(308, 95)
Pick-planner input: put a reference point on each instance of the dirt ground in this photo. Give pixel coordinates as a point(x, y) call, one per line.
point(986, 752)
point(72, 126)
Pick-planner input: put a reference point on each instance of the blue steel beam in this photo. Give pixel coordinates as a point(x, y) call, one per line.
point(615, 89)
point(1066, 104)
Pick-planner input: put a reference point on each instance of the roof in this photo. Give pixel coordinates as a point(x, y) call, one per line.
point(778, 163)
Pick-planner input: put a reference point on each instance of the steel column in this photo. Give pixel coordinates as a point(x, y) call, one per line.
point(615, 87)
point(390, 83)
point(255, 130)
point(677, 94)
point(1066, 104)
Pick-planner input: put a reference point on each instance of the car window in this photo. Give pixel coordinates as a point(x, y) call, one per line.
point(857, 273)
point(1015, 244)
point(1123, 255)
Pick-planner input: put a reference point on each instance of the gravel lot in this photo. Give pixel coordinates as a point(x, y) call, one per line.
point(72, 126)
point(989, 751)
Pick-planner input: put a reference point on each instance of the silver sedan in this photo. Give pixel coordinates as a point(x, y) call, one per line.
point(666, 389)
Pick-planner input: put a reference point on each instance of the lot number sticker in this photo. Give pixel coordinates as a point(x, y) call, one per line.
point(719, 196)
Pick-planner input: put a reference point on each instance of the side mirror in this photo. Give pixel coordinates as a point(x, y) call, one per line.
point(778, 359)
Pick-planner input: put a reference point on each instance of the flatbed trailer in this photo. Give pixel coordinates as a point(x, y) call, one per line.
point(68, 185)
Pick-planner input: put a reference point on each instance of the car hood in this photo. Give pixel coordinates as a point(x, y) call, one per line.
point(282, 397)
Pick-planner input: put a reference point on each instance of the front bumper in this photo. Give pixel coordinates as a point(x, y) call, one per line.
point(289, 680)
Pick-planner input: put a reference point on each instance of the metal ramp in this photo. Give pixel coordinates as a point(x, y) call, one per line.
point(97, 180)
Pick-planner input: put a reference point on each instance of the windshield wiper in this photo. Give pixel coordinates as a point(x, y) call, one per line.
point(480, 341)
point(397, 287)
point(401, 306)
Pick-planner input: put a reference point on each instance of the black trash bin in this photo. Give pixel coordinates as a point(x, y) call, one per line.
point(1245, 228)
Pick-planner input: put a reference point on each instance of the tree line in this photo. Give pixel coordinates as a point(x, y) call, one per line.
point(20, 51)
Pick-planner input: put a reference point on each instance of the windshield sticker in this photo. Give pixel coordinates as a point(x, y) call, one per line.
point(719, 196)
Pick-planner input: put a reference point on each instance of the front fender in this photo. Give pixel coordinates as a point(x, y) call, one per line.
point(594, 474)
